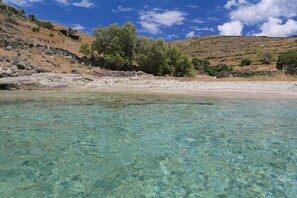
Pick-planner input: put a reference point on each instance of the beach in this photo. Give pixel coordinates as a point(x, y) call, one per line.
point(149, 84)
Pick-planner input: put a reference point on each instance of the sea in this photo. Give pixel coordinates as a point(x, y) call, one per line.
point(101, 144)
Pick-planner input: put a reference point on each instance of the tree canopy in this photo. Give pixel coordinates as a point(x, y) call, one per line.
point(288, 60)
point(121, 49)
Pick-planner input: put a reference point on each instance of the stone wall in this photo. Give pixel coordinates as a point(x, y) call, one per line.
point(44, 49)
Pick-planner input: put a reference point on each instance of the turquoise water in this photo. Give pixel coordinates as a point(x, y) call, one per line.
point(104, 145)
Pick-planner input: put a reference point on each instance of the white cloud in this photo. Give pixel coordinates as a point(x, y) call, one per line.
point(199, 20)
point(233, 28)
point(275, 27)
point(77, 27)
point(23, 3)
point(122, 9)
point(234, 3)
point(261, 11)
point(263, 14)
point(153, 28)
point(190, 34)
point(171, 36)
point(81, 3)
point(203, 29)
point(152, 21)
point(63, 2)
point(84, 3)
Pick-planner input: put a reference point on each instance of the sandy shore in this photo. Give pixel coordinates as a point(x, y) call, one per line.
point(149, 84)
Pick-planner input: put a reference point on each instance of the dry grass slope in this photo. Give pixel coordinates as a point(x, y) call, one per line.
point(231, 50)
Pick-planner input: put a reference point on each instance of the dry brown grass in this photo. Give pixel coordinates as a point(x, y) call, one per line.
point(231, 50)
point(23, 32)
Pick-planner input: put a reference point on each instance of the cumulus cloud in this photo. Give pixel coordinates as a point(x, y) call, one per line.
point(261, 11)
point(233, 28)
point(77, 27)
point(264, 14)
point(152, 21)
point(190, 34)
point(23, 3)
point(234, 3)
point(275, 27)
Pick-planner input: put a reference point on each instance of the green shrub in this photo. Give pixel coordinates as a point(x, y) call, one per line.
point(288, 61)
point(200, 64)
point(85, 48)
point(51, 35)
point(245, 62)
point(44, 24)
point(36, 29)
point(216, 70)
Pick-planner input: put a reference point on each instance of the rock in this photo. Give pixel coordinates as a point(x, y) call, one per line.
point(20, 65)
point(43, 70)
point(75, 71)
point(8, 47)
point(7, 86)
point(56, 65)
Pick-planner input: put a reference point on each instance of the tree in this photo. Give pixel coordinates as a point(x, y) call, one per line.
point(116, 43)
point(151, 55)
point(155, 57)
point(288, 61)
point(85, 48)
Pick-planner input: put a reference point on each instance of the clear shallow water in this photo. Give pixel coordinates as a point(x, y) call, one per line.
point(100, 145)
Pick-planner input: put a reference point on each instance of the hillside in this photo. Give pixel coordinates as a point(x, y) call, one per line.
point(16, 31)
point(231, 50)
point(14, 28)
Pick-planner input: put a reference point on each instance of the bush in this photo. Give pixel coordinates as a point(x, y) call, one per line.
point(200, 64)
point(245, 62)
point(217, 70)
point(51, 35)
point(44, 24)
point(36, 29)
point(85, 48)
point(288, 61)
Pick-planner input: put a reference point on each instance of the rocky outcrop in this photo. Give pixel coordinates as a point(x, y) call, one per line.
point(44, 81)
point(120, 74)
point(246, 74)
point(18, 68)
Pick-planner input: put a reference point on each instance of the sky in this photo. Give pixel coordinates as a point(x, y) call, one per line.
point(172, 19)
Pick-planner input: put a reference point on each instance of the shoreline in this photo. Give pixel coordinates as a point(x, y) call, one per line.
point(150, 85)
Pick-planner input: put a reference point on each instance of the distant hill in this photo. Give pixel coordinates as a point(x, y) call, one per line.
point(232, 49)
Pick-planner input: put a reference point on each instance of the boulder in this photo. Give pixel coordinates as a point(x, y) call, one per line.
point(75, 71)
point(20, 65)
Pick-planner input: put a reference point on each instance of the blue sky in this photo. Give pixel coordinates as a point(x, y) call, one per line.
point(172, 19)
